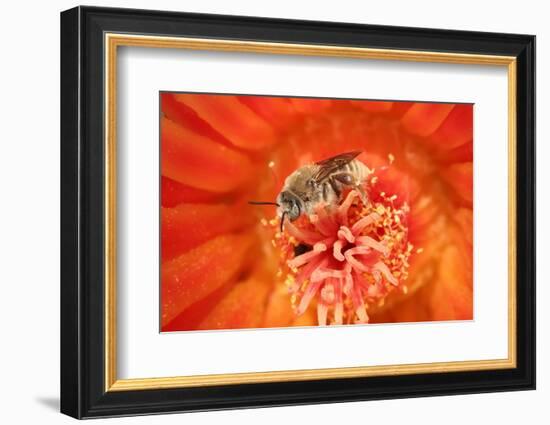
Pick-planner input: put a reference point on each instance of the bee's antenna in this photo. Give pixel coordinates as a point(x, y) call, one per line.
point(282, 221)
point(263, 203)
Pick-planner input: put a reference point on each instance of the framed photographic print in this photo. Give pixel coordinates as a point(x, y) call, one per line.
point(261, 212)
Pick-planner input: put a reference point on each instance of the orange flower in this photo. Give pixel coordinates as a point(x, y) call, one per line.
point(220, 266)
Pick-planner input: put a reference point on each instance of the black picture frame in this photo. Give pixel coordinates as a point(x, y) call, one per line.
point(83, 392)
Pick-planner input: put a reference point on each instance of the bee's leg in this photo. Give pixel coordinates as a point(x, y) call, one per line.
point(344, 178)
point(362, 192)
point(348, 179)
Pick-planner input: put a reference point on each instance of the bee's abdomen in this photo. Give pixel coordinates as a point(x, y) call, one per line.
point(331, 189)
point(358, 170)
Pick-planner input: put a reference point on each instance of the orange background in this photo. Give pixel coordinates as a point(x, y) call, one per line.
point(218, 267)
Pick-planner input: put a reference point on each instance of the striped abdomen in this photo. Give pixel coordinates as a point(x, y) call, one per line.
point(352, 174)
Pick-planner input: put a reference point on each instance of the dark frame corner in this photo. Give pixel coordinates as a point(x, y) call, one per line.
point(82, 202)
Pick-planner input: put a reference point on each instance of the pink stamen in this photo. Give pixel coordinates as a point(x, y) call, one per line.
point(325, 217)
point(374, 290)
point(360, 280)
point(359, 305)
point(326, 242)
point(302, 235)
point(322, 311)
point(300, 260)
point(321, 274)
point(345, 233)
point(361, 312)
point(339, 308)
point(317, 274)
point(369, 258)
point(309, 293)
point(370, 242)
point(357, 250)
point(305, 272)
point(327, 293)
point(360, 225)
point(386, 272)
point(348, 285)
point(360, 267)
point(323, 226)
point(339, 314)
point(344, 207)
point(337, 250)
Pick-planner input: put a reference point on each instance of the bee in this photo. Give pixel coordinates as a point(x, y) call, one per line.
point(321, 182)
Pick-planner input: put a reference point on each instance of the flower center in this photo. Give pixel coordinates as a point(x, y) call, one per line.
point(345, 257)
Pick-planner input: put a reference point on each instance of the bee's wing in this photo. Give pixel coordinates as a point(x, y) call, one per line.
point(328, 166)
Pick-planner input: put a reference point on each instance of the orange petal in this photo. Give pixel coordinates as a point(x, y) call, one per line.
point(465, 220)
point(460, 178)
point(310, 106)
point(197, 273)
point(372, 105)
point(279, 309)
point(277, 111)
point(199, 162)
point(400, 108)
point(413, 308)
point(309, 318)
point(188, 225)
point(243, 307)
point(190, 318)
point(425, 221)
point(452, 297)
point(391, 179)
point(422, 119)
point(174, 193)
point(462, 153)
point(456, 129)
point(188, 118)
point(232, 119)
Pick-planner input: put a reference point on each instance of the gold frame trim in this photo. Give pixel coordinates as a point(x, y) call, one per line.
point(113, 41)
